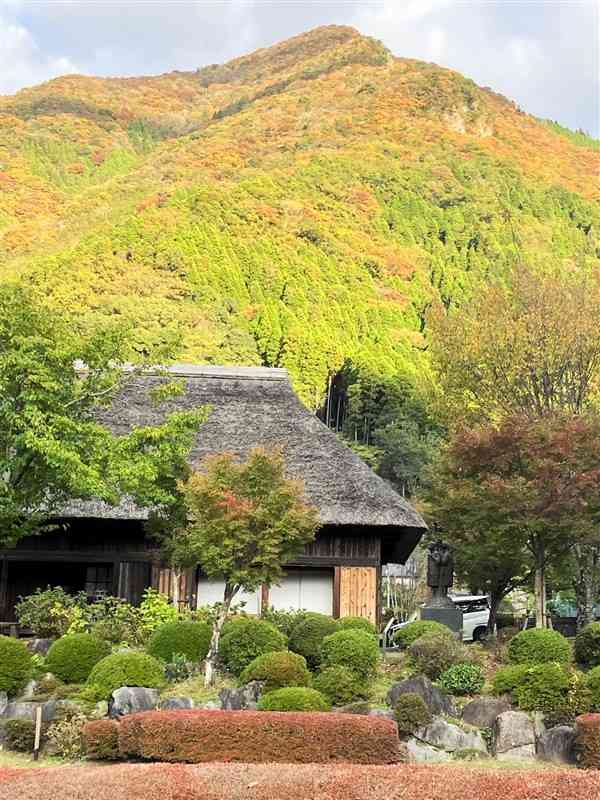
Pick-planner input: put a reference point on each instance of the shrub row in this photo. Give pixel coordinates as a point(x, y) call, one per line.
point(588, 740)
point(247, 736)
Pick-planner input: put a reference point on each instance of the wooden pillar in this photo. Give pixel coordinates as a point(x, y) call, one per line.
point(336, 592)
point(264, 598)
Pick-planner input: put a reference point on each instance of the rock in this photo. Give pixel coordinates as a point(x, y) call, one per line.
point(246, 697)
point(210, 706)
point(446, 736)
point(382, 713)
point(27, 710)
point(420, 753)
point(482, 712)
point(514, 736)
point(359, 707)
point(557, 745)
point(539, 723)
point(131, 699)
point(40, 646)
point(29, 691)
point(175, 703)
point(3, 702)
point(435, 700)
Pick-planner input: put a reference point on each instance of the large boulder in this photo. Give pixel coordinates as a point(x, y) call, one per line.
point(421, 753)
point(450, 738)
point(482, 711)
point(514, 736)
point(28, 710)
point(435, 700)
point(40, 646)
point(246, 697)
point(557, 745)
point(176, 703)
point(131, 699)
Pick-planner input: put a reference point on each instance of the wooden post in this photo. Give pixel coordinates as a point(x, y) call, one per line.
point(264, 598)
point(38, 733)
point(336, 592)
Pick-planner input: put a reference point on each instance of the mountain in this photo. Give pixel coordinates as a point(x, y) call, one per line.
point(302, 206)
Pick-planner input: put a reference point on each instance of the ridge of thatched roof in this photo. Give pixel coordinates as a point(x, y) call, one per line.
point(256, 406)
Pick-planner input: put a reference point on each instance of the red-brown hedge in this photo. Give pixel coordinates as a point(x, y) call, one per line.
point(588, 740)
point(197, 736)
point(101, 739)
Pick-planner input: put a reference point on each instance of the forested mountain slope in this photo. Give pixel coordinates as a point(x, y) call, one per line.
point(301, 206)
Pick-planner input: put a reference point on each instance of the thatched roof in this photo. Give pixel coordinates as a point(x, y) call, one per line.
point(254, 406)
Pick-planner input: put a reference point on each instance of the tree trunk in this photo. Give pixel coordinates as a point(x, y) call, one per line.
point(211, 657)
point(496, 598)
point(585, 582)
point(540, 586)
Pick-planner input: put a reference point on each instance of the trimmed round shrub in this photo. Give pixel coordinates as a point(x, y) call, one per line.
point(72, 657)
point(360, 623)
point(307, 636)
point(339, 685)
point(506, 679)
point(294, 698)
point(277, 669)
point(539, 646)
point(411, 713)
point(354, 649)
point(543, 687)
point(435, 652)
point(461, 679)
point(15, 665)
point(190, 639)
point(130, 668)
point(414, 630)
point(587, 645)
point(592, 682)
point(247, 639)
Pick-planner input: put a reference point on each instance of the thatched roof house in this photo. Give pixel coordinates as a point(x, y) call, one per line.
point(364, 521)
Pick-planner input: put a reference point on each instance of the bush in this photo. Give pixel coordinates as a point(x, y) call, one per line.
point(15, 665)
point(543, 687)
point(114, 620)
point(180, 669)
point(48, 613)
point(360, 623)
point(587, 645)
point(411, 713)
point(294, 698)
point(72, 657)
point(20, 734)
point(277, 669)
point(101, 739)
point(339, 685)
point(588, 740)
point(284, 621)
point(155, 609)
point(247, 639)
point(578, 701)
point(190, 639)
point(461, 679)
point(506, 679)
point(435, 652)
point(65, 736)
point(125, 669)
point(198, 736)
point(354, 649)
point(414, 630)
point(592, 681)
point(539, 646)
point(307, 636)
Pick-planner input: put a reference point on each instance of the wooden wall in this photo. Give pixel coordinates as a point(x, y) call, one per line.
point(358, 592)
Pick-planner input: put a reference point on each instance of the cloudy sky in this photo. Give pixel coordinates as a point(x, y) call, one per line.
point(542, 53)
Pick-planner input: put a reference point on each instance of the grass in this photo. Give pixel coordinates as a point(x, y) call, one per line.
point(390, 672)
point(194, 688)
point(12, 760)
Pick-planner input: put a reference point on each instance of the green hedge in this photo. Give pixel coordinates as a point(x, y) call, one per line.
point(247, 639)
point(190, 639)
point(411, 713)
point(277, 669)
point(307, 636)
point(587, 645)
point(506, 679)
point(354, 649)
point(462, 679)
point(543, 687)
point(125, 669)
point(294, 698)
point(414, 630)
point(340, 685)
point(360, 623)
point(539, 646)
point(15, 665)
point(72, 657)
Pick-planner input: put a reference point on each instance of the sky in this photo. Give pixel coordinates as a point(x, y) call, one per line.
point(544, 54)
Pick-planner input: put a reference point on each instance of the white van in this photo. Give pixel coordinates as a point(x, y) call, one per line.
point(476, 615)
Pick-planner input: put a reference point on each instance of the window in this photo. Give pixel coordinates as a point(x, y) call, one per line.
point(98, 581)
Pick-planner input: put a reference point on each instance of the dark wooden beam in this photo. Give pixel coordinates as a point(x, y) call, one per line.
point(336, 592)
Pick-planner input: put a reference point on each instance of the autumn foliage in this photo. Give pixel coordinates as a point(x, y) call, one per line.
point(588, 740)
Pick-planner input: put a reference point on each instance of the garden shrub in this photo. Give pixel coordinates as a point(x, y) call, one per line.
point(284, 621)
point(294, 698)
point(414, 630)
point(578, 701)
point(246, 640)
point(180, 669)
point(20, 734)
point(197, 736)
point(360, 623)
point(190, 639)
point(354, 649)
point(506, 679)
point(543, 687)
point(411, 713)
point(114, 620)
point(277, 669)
point(539, 646)
point(587, 645)
point(65, 735)
point(72, 657)
point(155, 609)
point(307, 636)
point(461, 679)
point(48, 613)
point(592, 681)
point(129, 668)
point(433, 653)
point(588, 740)
point(340, 685)
point(15, 665)
point(101, 739)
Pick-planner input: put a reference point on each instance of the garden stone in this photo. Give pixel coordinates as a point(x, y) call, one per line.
point(482, 711)
point(420, 753)
point(175, 703)
point(514, 736)
point(3, 702)
point(359, 707)
point(211, 706)
point(27, 710)
point(131, 699)
point(446, 736)
point(382, 713)
point(557, 745)
point(435, 700)
point(29, 690)
point(246, 697)
point(40, 646)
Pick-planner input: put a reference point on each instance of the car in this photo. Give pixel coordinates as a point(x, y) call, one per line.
point(476, 615)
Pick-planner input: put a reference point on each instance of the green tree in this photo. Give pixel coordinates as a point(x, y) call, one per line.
point(54, 377)
point(244, 521)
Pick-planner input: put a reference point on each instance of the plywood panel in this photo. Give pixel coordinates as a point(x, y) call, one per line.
point(358, 592)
